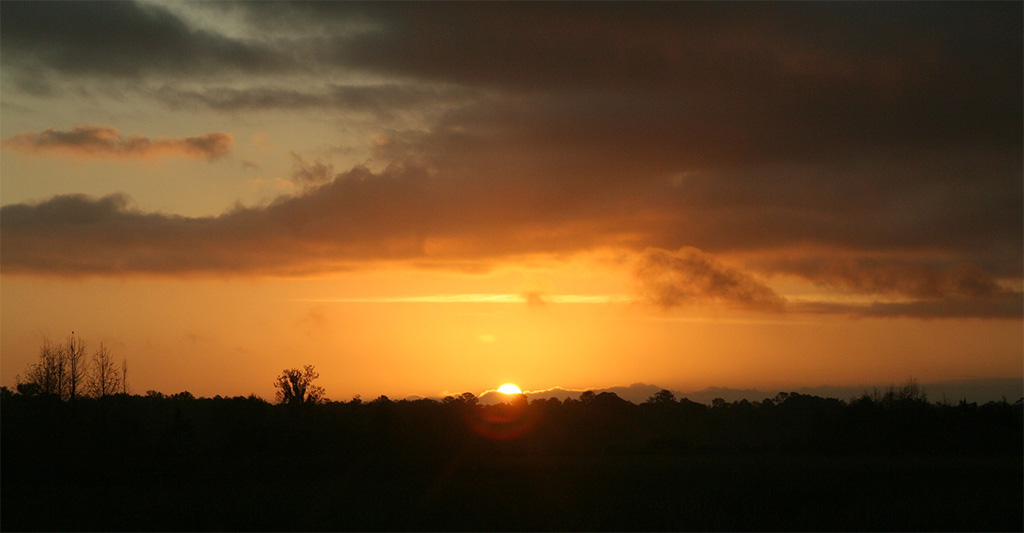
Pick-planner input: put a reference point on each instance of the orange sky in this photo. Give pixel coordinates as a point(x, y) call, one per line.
point(428, 199)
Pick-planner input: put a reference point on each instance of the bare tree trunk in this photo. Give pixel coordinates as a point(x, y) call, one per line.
point(47, 374)
point(75, 353)
point(124, 376)
point(60, 370)
point(104, 378)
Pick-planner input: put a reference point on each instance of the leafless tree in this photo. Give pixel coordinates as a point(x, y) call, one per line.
point(47, 376)
point(104, 378)
point(124, 376)
point(295, 387)
point(77, 366)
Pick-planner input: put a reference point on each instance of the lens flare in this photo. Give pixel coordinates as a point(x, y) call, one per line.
point(503, 421)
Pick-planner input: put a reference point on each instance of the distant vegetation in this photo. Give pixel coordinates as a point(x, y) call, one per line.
point(888, 460)
point(896, 420)
point(82, 453)
point(65, 371)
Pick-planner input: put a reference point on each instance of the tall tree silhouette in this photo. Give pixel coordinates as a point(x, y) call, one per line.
point(104, 378)
point(77, 365)
point(295, 387)
point(47, 376)
point(124, 376)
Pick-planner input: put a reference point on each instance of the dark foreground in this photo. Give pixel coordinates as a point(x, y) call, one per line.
point(705, 492)
point(136, 463)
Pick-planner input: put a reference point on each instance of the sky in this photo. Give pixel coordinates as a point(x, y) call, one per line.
point(433, 198)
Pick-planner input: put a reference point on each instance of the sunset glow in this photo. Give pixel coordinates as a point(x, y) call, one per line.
point(423, 200)
point(509, 388)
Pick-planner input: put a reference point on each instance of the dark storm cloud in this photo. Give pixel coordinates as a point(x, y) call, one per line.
point(793, 130)
point(874, 73)
point(120, 39)
point(105, 142)
point(656, 178)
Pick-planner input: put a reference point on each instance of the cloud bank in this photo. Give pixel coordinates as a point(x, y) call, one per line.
point(105, 142)
point(870, 149)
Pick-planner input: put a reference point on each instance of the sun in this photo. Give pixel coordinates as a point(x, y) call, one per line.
point(509, 388)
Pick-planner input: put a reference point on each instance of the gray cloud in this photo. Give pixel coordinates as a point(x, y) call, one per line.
point(122, 39)
point(1005, 305)
point(382, 100)
point(660, 184)
point(689, 276)
point(311, 173)
point(934, 287)
point(887, 135)
point(841, 71)
point(894, 276)
point(92, 141)
point(409, 214)
point(813, 78)
point(358, 217)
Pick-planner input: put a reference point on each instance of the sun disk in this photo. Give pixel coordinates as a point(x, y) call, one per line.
point(509, 388)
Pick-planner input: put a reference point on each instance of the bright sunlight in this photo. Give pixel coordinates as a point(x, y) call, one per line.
point(509, 388)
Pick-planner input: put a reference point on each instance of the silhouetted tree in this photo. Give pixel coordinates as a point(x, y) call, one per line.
point(104, 378)
point(77, 366)
point(519, 400)
point(124, 376)
point(464, 399)
point(47, 375)
point(295, 387)
point(183, 395)
point(62, 370)
point(28, 388)
point(663, 396)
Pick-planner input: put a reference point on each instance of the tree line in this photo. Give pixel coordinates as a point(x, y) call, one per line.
point(66, 371)
point(176, 456)
point(897, 420)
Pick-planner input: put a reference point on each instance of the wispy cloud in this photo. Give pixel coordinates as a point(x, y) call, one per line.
point(104, 142)
point(1006, 305)
point(501, 298)
point(688, 276)
point(311, 173)
point(381, 100)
